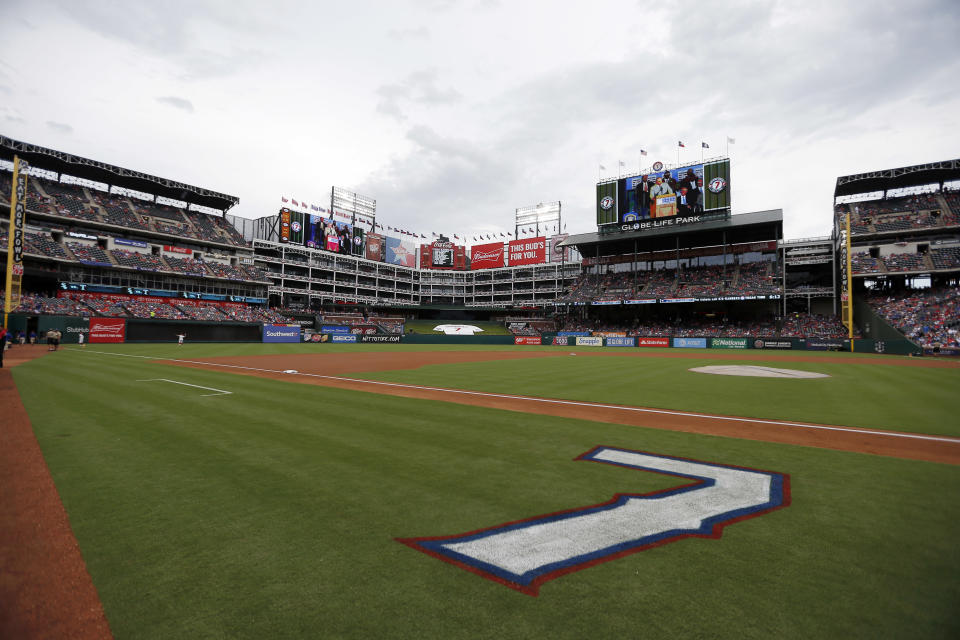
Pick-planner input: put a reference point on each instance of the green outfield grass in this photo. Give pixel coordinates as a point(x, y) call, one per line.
point(272, 512)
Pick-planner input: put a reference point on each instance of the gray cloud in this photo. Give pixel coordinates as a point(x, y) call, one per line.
point(420, 87)
point(178, 32)
point(60, 127)
point(413, 33)
point(177, 103)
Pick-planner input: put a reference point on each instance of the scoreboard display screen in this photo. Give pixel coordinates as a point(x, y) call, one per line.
point(666, 196)
point(442, 257)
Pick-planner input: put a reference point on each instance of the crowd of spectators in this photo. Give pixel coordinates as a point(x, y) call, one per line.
point(902, 213)
point(930, 317)
point(89, 254)
point(813, 325)
point(753, 278)
point(138, 260)
point(73, 201)
point(795, 325)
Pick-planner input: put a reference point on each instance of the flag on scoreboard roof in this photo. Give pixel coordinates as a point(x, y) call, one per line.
point(643, 152)
point(295, 203)
point(730, 140)
point(704, 145)
point(284, 199)
point(680, 143)
point(603, 168)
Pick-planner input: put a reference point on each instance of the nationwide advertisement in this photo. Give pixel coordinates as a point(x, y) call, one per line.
point(527, 340)
point(653, 342)
point(690, 343)
point(772, 344)
point(343, 338)
point(528, 251)
point(589, 341)
point(615, 341)
point(107, 330)
point(729, 343)
point(828, 344)
point(334, 328)
point(487, 256)
point(281, 333)
point(380, 338)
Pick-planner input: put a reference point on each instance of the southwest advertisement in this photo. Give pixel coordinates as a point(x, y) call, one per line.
point(281, 333)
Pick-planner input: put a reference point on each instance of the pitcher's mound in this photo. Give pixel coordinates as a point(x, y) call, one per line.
point(761, 372)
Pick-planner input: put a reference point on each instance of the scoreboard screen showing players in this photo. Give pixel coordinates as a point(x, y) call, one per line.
point(665, 196)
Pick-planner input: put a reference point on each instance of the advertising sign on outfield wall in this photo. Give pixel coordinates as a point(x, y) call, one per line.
point(589, 341)
point(653, 342)
point(690, 343)
point(380, 338)
point(527, 340)
point(107, 330)
point(729, 343)
point(827, 344)
point(281, 333)
point(343, 338)
point(619, 341)
point(561, 341)
point(772, 344)
point(329, 328)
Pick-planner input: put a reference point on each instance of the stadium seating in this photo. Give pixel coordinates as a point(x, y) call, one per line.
point(138, 260)
point(931, 317)
point(73, 201)
point(904, 262)
point(946, 258)
point(89, 254)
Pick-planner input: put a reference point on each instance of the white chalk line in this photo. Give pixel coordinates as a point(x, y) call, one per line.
point(219, 392)
point(575, 403)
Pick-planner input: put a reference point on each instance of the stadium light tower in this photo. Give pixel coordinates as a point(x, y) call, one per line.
point(541, 216)
point(354, 204)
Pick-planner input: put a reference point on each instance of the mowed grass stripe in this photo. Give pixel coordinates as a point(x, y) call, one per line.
point(910, 399)
point(272, 513)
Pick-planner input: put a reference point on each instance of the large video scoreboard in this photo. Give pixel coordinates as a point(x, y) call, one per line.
point(665, 196)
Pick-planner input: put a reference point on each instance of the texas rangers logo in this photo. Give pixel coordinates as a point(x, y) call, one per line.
point(658, 166)
point(525, 554)
point(717, 185)
point(295, 226)
point(606, 203)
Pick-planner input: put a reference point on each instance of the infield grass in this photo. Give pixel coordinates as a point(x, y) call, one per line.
point(272, 512)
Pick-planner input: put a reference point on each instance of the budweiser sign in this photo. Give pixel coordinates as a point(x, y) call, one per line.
point(108, 329)
point(487, 256)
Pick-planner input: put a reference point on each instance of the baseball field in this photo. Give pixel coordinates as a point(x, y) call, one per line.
point(414, 491)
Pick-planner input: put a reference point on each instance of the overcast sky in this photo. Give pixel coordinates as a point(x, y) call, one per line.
point(453, 114)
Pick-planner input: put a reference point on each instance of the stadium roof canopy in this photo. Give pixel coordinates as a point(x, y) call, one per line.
point(60, 162)
point(915, 176)
point(744, 227)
